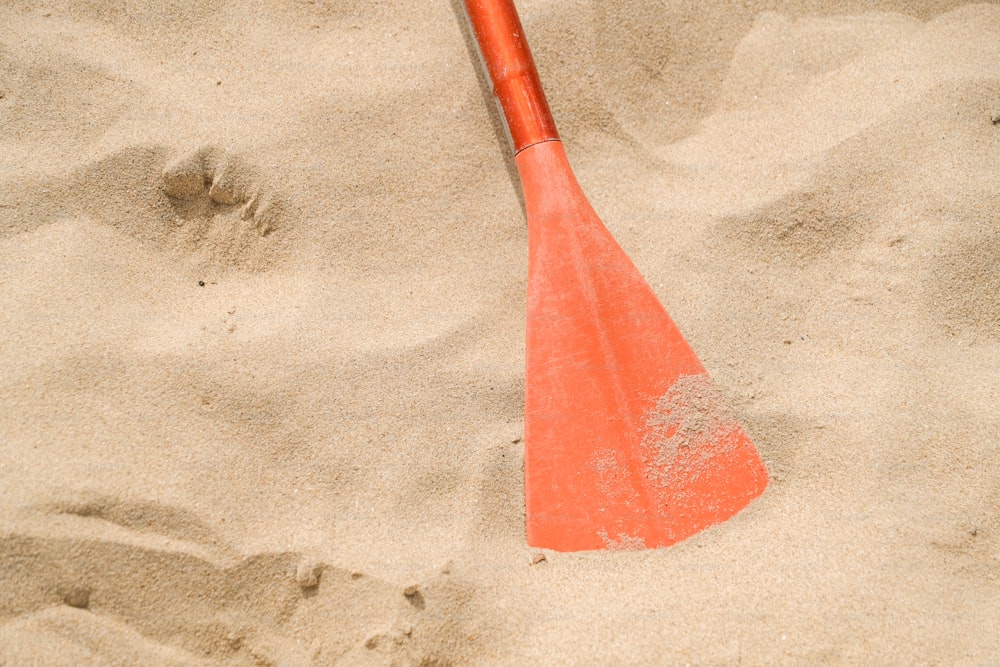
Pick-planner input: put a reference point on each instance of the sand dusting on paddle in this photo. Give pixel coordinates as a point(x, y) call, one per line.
point(262, 278)
point(690, 415)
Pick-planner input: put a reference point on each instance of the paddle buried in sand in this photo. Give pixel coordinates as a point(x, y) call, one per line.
point(628, 442)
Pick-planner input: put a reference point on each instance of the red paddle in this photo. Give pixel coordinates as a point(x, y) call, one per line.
point(628, 443)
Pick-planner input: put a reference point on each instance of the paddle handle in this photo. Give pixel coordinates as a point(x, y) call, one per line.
point(504, 50)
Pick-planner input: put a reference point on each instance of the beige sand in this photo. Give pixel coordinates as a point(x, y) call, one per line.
point(315, 457)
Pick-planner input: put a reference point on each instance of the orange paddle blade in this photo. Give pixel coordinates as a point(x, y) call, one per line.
point(628, 442)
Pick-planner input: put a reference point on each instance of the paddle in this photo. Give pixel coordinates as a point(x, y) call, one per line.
point(628, 442)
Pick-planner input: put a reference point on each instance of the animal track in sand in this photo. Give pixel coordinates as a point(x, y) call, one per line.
point(209, 180)
point(208, 205)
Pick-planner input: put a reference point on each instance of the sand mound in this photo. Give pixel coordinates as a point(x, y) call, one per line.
point(262, 276)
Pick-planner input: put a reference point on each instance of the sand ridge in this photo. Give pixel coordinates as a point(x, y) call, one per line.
point(262, 273)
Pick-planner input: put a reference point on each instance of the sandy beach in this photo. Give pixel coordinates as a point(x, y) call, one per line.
point(262, 303)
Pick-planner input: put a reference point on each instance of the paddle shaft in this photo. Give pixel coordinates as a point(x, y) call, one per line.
point(504, 50)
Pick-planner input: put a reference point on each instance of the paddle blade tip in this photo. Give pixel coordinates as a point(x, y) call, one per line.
point(691, 467)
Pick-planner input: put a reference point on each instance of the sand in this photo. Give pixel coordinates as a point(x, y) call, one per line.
point(262, 287)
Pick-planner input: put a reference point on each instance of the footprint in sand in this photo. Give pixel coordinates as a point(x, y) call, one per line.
point(209, 179)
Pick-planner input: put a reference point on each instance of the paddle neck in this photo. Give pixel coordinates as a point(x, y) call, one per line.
point(504, 50)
